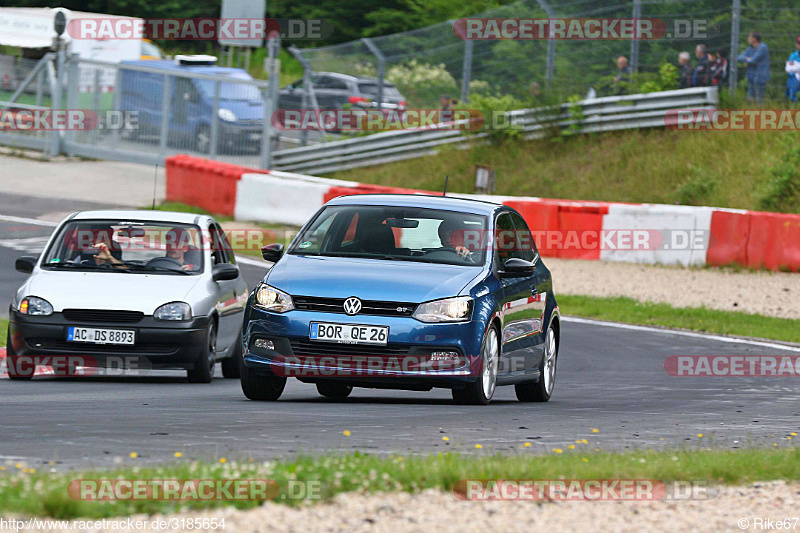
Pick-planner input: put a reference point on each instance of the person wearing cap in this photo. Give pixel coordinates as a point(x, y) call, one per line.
point(793, 70)
point(757, 59)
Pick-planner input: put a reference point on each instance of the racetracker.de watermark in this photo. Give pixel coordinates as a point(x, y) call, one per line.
point(733, 119)
point(579, 29)
point(198, 29)
point(580, 490)
point(733, 366)
point(66, 120)
point(99, 490)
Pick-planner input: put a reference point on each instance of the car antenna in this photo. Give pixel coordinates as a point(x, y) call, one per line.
point(445, 185)
point(155, 182)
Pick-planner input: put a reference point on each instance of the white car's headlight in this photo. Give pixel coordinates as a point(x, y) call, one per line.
point(34, 306)
point(272, 299)
point(448, 310)
point(227, 115)
point(173, 311)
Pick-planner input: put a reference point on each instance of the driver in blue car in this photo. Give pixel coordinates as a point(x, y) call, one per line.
point(452, 234)
point(176, 245)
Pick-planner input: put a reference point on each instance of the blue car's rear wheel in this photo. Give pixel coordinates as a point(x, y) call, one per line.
point(542, 390)
point(333, 390)
point(480, 391)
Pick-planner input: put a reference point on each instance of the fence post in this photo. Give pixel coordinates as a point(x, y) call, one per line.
point(467, 70)
point(73, 88)
point(308, 89)
point(162, 145)
point(95, 105)
point(270, 101)
point(637, 14)
point(381, 68)
point(212, 150)
point(733, 78)
point(54, 141)
point(551, 44)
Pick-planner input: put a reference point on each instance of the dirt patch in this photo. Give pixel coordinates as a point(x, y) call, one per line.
point(433, 510)
point(767, 293)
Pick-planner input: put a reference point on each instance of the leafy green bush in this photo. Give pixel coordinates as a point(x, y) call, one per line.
point(495, 115)
point(698, 188)
point(782, 191)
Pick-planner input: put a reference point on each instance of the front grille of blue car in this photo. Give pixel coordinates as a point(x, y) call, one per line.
point(305, 347)
point(368, 307)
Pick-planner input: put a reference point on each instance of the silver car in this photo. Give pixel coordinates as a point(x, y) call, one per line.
point(130, 289)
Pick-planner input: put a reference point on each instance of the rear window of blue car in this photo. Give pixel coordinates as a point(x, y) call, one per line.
point(395, 233)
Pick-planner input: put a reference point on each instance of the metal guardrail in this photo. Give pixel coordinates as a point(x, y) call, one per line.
point(597, 115)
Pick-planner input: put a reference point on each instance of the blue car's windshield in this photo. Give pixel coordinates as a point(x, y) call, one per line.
point(395, 233)
point(232, 90)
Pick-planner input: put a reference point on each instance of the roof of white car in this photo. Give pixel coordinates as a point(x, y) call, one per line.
point(139, 215)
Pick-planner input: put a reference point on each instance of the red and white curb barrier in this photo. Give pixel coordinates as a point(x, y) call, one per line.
point(569, 229)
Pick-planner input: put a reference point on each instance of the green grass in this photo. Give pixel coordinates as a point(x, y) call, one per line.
point(31, 492)
point(692, 318)
point(3, 330)
point(724, 169)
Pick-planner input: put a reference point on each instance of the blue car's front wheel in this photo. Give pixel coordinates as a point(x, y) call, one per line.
point(480, 391)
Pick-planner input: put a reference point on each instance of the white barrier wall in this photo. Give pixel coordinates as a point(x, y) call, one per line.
point(684, 233)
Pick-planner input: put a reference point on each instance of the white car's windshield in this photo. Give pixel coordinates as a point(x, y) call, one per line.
point(396, 233)
point(127, 246)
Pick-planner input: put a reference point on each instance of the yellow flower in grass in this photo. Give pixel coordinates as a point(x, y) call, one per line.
point(571, 446)
point(478, 446)
point(346, 432)
point(223, 460)
point(527, 444)
point(595, 430)
point(558, 450)
point(445, 439)
point(134, 455)
point(178, 455)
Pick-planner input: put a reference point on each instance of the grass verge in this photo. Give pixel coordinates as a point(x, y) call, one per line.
point(3, 330)
point(692, 318)
point(655, 165)
point(25, 491)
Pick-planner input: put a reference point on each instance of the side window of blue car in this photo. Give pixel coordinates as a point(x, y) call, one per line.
point(525, 243)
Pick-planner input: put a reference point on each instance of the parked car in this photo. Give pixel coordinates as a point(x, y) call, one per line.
point(191, 103)
point(425, 291)
point(147, 290)
point(336, 91)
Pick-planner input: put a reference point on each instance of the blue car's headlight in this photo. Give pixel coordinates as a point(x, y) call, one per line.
point(272, 299)
point(448, 310)
point(34, 306)
point(173, 311)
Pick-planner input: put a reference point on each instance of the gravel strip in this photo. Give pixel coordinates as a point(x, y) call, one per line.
point(433, 510)
point(767, 293)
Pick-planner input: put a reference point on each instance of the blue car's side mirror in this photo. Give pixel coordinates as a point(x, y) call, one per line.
point(272, 252)
point(517, 268)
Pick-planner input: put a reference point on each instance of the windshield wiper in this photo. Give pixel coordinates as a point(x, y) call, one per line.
point(74, 265)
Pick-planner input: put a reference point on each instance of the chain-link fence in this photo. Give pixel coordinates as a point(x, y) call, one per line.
point(428, 63)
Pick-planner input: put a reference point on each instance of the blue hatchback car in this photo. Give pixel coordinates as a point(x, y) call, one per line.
point(405, 292)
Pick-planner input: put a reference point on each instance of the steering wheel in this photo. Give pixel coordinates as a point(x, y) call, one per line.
point(164, 262)
point(469, 257)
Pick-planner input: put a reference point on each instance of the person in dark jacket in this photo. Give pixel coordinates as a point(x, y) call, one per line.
point(757, 58)
point(719, 67)
point(701, 77)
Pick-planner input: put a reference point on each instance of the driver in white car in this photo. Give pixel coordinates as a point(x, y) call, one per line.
point(176, 244)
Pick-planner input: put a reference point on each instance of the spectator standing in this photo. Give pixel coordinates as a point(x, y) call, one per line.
point(701, 77)
point(622, 80)
point(684, 70)
point(757, 58)
point(719, 68)
point(793, 70)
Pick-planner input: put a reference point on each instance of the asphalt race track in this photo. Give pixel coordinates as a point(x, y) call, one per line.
point(610, 378)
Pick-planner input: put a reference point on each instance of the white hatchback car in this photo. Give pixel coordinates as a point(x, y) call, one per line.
point(132, 289)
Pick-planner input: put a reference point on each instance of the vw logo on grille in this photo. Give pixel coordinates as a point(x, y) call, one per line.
point(352, 306)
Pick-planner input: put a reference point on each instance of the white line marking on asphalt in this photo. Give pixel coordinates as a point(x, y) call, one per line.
point(26, 220)
point(252, 262)
point(732, 340)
